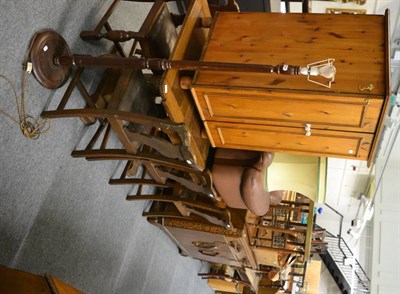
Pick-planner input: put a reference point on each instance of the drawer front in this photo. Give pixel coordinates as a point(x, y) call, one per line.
point(291, 140)
point(290, 109)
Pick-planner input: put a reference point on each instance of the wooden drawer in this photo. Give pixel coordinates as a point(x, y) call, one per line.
point(342, 113)
point(290, 140)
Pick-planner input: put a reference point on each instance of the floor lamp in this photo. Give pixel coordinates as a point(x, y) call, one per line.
point(52, 60)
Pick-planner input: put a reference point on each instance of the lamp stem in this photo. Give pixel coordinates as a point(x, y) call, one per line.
point(134, 62)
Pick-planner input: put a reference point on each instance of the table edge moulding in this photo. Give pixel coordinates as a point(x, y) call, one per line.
point(177, 101)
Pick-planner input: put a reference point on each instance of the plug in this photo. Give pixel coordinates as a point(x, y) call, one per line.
point(28, 67)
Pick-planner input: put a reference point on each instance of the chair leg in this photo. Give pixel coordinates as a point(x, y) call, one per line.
point(156, 214)
point(70, 88)
point(143, 182)
point(75, 82)
point(112, 35)
point(166, 148)
point(224, 222)
point(95, 137)
point(115, 36)
point(106, 137)
point(117, 45)
point(126, 170)
point(91, 35)
point(177, 19)
point(205, 187)
point(208, 212)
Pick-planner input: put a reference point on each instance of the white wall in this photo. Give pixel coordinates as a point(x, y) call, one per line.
point(378, 247)
point(372, 7)
point(385, 278)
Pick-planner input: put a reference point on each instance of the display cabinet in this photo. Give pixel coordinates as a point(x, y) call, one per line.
point(285, 229)
point(282, 240)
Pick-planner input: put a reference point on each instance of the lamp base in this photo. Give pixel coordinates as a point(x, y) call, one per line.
point(45, 46)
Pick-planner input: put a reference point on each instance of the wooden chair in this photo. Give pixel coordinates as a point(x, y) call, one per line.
point(237, 181)
point(122, 89)
point(167, 159)
point(121, 103)
point(158, 33)
point(129, 93)
point(161, 146)
point(173, 202)
point(174, 181)
point(156, 36)
point(145, 141)
point(240, 184)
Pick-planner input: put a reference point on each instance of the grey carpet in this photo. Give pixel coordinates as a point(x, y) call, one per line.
point(58, 214)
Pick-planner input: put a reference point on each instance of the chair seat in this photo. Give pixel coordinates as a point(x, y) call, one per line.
point(156, 36)
point(161, 35)
point(239, 178)
point(126, 90)
point(226, 180)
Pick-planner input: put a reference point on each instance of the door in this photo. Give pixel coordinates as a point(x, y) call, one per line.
point(358, 43)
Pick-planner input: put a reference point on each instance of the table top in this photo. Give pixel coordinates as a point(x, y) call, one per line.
point(179, 103)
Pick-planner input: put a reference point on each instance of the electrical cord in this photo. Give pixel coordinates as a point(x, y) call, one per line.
point(31, 128)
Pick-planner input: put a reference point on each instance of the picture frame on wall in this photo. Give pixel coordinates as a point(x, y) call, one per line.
point(359, 2)
point(346, 11)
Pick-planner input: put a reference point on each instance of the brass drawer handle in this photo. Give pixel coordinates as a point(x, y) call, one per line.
point(209, 252)
point(369, 88)
point(359, 2)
